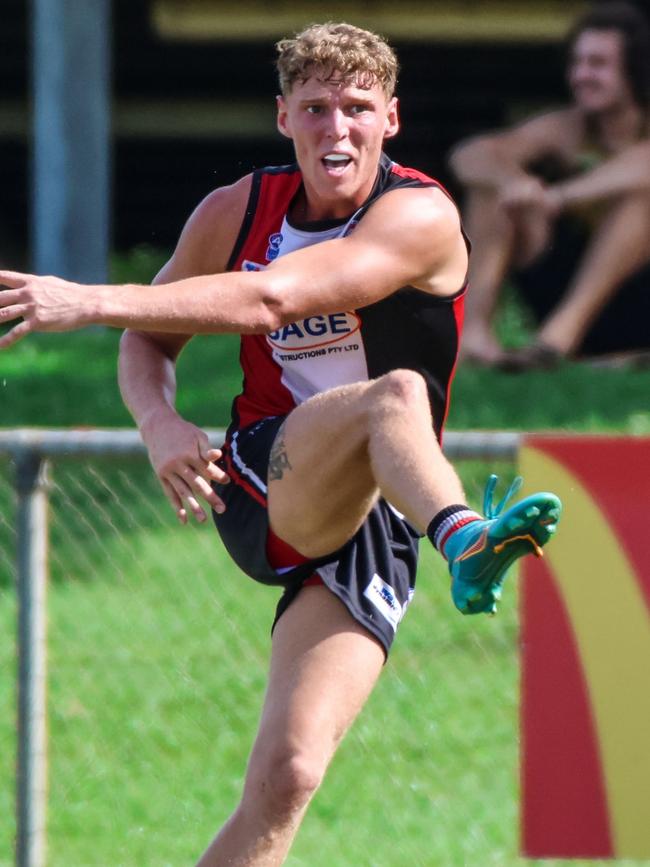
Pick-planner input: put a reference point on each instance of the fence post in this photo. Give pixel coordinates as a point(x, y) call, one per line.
point(71, 142)
point(31, 485)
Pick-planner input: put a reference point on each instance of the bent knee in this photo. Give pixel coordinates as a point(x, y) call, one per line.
point(642, 203)
point(633, 205)
point(403, 386)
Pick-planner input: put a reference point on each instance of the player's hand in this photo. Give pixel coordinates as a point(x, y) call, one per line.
point(42, 303)
point(184, 462)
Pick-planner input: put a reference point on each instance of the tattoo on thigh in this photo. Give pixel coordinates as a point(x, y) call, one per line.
point(278, 459)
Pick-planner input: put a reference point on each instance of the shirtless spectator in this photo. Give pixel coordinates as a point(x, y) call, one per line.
point(561, 205)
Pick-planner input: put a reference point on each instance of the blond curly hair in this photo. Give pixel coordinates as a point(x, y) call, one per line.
point(337, 50)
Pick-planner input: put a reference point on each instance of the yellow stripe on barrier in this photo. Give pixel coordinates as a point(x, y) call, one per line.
point(611, 624)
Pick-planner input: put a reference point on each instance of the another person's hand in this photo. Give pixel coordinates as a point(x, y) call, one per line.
point(43, 304)
point(184, 462)
point(526, 192)
point(532, 194)
point(534, 234)
point(554, 200)
point(534, 206)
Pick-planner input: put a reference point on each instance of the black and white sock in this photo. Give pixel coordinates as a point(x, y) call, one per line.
point(447, 521)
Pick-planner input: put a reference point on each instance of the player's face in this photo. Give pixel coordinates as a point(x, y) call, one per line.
point(596, 74)
point(338, 130)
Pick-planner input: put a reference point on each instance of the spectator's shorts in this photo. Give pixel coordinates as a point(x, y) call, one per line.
point(373, 574)
point(622, 325)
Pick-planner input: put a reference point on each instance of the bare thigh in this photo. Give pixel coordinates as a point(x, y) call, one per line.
point(320, 482)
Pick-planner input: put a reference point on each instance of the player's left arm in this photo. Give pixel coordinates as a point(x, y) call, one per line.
point(408, 237)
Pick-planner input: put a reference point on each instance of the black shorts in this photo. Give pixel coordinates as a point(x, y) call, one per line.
point(621, 325)
point(373, 574)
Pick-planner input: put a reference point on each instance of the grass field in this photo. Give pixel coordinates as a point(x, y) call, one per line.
point(158, 653)
point(63, 380)
point(69, 380)
point(158, 647)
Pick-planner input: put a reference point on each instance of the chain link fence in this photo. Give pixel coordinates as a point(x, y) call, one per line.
point(157, 650)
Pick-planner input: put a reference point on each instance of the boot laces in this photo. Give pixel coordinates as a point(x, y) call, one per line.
point(489, 510)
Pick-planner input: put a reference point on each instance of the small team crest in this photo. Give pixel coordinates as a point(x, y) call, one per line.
point(273, 250)
point(272, 253)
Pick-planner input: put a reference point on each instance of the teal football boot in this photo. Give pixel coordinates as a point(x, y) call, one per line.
point(480, 553)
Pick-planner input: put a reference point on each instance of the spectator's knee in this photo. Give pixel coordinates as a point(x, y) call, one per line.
point(633, 205)
point(643, 197)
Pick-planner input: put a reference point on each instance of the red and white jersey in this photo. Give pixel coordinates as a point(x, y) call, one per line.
point(409, 329)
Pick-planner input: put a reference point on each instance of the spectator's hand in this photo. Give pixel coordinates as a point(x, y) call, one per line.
point(184, 462)
point(554, 200)
point(533, 236)
point(527, 192)
point(43, 304)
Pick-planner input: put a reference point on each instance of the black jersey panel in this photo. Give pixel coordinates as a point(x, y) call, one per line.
point(247, 222)
point(415, 331)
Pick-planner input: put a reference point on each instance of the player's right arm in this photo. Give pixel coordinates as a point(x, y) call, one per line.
point(501, 160)
point(179, 451)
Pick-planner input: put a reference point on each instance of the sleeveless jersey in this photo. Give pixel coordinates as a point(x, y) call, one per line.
point(408, 329)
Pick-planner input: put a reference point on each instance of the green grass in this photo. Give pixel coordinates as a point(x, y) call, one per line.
point(69, 380)
point(61, 380)
point(158, 651)
point(158, 647)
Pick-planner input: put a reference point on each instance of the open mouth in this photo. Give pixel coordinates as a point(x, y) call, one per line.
point(336, 162)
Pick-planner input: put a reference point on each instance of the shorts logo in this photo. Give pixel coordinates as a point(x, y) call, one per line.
point(314, 332)
point(247, 265)
point(384, 599)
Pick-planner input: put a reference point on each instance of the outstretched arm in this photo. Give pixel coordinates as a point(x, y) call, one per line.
point(408, 237)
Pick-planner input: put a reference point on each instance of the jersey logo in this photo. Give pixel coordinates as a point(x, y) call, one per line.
point(273, 250)
point(315, 332)
point(247, 265)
